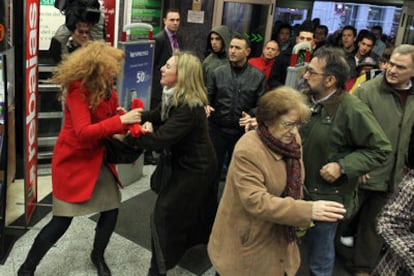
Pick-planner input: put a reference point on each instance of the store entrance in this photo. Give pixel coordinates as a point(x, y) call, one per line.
point(251, 18)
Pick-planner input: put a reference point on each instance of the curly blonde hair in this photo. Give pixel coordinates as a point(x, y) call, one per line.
point(95, 65)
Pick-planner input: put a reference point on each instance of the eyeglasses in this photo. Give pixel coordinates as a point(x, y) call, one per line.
point(312, 72)
point(291, 125)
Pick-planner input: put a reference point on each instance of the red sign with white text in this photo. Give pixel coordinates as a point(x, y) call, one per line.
point(109, 10)
point(31, 44)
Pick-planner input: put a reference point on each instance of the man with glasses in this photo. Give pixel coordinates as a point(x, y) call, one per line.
point(391, 99)
point(341, 141)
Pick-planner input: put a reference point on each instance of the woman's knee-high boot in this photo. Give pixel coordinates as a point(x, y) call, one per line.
point(36, 253)
point(102, 237)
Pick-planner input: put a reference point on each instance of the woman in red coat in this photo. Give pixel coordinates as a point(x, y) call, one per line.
point(83, 183)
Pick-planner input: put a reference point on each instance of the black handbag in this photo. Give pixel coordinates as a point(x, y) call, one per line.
point(162, 173)
point(118, 152)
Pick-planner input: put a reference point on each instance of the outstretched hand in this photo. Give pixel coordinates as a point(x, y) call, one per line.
point(330, 211)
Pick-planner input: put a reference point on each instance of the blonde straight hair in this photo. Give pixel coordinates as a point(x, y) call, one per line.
point(190, 88)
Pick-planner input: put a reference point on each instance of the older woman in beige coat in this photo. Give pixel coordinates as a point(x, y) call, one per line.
point(254, 232)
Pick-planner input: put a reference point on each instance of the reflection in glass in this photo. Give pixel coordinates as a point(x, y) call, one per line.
point(409, 31)
point(248, 20)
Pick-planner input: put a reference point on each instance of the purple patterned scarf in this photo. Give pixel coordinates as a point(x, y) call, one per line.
point(291, 154)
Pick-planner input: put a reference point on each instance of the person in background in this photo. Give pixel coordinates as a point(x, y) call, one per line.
point(254, 232)
point(279, 70)
point(341, 142)
point(365, 41)
point(379, 46)
point(348, 38)
point(321, 35)
point(364, 73)
point(184, 210)
point(166, 42)
point(265, 62)
point(233, 92)
point(283, 38)
point(385, 58)
point(391, 100)
point(67, 40)
point(83, 182)
point(335, 39)
point(316, 22)
point(218, 41)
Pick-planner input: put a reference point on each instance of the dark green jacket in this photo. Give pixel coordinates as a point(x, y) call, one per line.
point(343, 130)
point(396, 121)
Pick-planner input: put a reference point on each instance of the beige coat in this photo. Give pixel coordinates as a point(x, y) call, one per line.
point(249, 236)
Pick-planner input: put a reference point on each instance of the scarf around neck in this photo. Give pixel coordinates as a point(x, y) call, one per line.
point(166, 102)
point(291, 154)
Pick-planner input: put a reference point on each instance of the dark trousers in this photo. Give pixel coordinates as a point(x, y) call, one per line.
point(224, 145)
point(368, 244)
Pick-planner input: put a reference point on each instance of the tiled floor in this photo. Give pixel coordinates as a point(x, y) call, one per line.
point(70, 255)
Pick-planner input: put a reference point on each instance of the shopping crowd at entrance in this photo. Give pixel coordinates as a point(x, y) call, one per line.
point(325, 163)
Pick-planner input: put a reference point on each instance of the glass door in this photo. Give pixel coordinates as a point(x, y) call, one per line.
point(251, 18)
point(405, 33)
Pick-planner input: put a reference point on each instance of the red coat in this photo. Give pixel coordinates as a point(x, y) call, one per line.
point(78, 153)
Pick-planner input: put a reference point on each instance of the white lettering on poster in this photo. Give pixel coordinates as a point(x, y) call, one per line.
point(31, 82)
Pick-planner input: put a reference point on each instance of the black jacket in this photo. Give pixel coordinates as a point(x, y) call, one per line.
point(184, 211)
point(231, 91)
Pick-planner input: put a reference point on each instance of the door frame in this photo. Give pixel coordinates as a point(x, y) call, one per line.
point(219, 6)
point(407, 11)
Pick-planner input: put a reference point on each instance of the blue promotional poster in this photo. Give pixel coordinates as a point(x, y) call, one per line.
point(137, 73)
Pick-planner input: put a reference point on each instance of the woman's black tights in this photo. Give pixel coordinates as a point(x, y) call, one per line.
point(55, 229)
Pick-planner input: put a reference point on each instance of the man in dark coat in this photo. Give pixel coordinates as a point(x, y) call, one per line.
point(166, 42)
point(233, 92)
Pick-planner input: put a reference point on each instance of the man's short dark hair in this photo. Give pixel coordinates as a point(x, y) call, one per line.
point(377, 28)
point(349, 27)
point(171, 10)
point(285, 26)
point(305, 27)
point(366, 34)
point(239, 36)
point(324, 28)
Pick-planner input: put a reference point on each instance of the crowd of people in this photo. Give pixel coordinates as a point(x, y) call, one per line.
point(326, 161)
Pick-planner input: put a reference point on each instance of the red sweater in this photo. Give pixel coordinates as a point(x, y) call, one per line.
point(263, 65)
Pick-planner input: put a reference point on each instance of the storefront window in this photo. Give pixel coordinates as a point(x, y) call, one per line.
point(336, 15)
